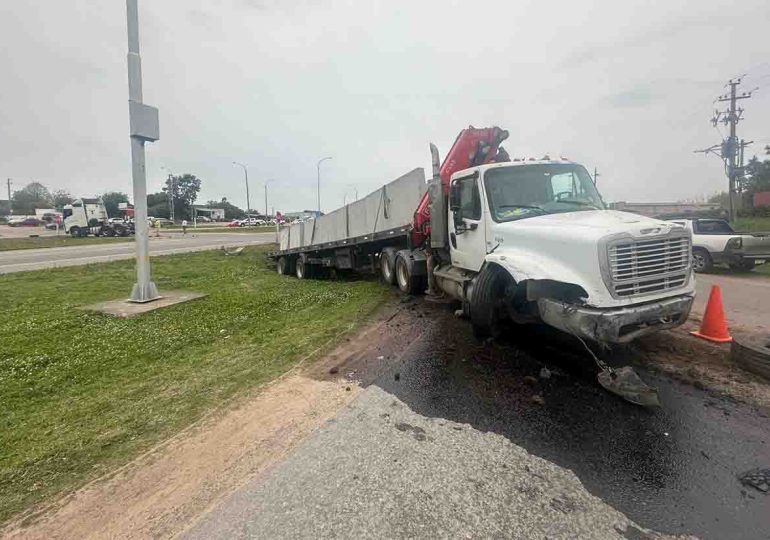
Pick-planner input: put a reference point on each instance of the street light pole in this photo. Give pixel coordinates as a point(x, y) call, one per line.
point(143, 122)
point(266, 183)
point(171, 193)
point(318, 187)
point(246, 177)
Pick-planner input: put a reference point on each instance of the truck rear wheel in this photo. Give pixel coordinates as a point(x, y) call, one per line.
point(408, 282)
point(485, 302)
point(388, 266)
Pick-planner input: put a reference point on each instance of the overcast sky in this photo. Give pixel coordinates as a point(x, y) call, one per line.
point(279, 84)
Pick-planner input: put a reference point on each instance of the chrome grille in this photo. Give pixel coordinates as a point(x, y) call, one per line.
point(649, 266)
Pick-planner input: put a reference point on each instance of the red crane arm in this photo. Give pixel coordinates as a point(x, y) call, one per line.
point(473, 146)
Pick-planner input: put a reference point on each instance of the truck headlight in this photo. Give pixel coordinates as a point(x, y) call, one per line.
point(735, 243)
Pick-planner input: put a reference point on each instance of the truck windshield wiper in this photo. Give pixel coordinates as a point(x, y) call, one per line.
point(579, 203)
point(521, 206)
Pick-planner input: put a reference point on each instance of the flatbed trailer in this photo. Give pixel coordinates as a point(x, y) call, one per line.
point(355, 236)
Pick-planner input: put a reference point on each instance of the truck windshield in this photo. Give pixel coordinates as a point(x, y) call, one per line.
point(534, 190)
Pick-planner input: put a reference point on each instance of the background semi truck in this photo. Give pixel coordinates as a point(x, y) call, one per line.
point(513, 240)
point(89, 216)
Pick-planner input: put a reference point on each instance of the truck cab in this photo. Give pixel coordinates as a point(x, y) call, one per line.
point(82, 215)
point(534, 239)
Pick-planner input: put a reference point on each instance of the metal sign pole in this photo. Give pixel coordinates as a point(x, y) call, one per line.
point(143, 121)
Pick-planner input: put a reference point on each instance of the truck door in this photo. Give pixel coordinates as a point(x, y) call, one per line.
point(466, 226)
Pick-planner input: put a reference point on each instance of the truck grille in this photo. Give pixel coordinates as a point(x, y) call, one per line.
point(649, 266)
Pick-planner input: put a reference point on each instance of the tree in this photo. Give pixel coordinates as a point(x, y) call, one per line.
point(33, 195)
point(111, 200)
point(61, 197)
point(758, 174)
point(157, 205)
point(184, 190)
point(231, 211)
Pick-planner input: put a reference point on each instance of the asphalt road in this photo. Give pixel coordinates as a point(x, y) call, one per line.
point(463, 440)
point(168, 244)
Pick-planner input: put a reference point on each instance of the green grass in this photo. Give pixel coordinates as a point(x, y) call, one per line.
point(82, 393)
point(757, 224)
point(8, 244)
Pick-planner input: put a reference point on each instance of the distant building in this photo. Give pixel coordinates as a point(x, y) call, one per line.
point(217, 214)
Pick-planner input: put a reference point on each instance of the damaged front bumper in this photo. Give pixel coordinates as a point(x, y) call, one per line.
point(616, 325)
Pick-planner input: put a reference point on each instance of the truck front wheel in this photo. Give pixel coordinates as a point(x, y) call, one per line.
point(75, 232)
point(486, 301)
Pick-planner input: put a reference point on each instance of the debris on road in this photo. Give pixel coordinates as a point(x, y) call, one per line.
point(545, 373)
point(757, 478)
point(537, 398)
point(628, 385)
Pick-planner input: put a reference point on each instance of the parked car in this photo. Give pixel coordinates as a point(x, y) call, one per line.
point(24, 222)
point(715, 242)
point(51, 226)
point(234, 223)
point(204, 219)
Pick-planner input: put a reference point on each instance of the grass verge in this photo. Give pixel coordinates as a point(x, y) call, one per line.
point(9, 244)
point(83, 393)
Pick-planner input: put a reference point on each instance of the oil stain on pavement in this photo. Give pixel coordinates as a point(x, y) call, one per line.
point(462, 439)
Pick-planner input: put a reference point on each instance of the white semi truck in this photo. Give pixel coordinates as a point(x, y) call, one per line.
point(520, 240)
point(89, 216)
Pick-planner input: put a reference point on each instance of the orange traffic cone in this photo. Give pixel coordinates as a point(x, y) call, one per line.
point(714, 325)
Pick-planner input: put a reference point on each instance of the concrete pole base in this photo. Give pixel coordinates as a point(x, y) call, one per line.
point(141, 294)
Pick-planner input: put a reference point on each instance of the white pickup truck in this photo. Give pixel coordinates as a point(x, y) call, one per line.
point(715, 242)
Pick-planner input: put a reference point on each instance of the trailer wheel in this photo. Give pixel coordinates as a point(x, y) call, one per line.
point(388, 266)
point(485, 301)
point(408, 282)
point(282, 266)
point(302, 268)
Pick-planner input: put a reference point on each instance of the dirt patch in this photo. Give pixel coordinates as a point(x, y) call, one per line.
point(703, 364)
point(164, 491)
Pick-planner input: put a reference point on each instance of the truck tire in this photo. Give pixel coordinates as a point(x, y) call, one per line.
point(701, 260)
point(752, 354)
point(388, 265)
point(75, 232)
point(303, 269)
point(408, 282)
point(485, 301)
point(282, 266)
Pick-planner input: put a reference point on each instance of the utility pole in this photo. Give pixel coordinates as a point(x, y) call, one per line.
point(10, 204)
point(596, 174)
point(246, 177)
point(143, 121)
point(730, 148)
point(318, 187)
